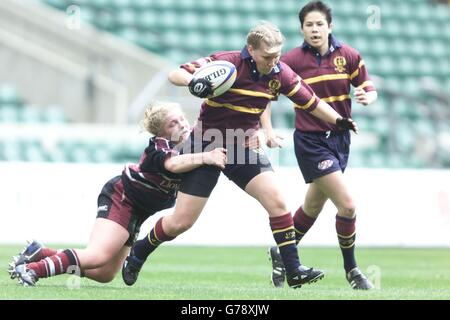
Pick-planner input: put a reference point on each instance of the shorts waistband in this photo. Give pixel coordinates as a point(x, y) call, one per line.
point(325, 134)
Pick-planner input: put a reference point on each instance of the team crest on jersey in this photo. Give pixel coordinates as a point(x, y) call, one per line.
point(274, 86)
point(340, 63)
point(325, 164)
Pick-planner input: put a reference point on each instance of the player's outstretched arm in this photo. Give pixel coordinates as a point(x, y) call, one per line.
point(180, 77)
point(187, 162)
point(200, 87)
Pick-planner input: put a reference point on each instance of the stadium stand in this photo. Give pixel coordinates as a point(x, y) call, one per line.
point(46, 134)
point(407, 53)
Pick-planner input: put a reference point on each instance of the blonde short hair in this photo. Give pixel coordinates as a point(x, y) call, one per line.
point(155, 116)
point(267, 32)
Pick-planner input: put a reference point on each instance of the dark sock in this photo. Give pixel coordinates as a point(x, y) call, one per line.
point(284, 235)
point(345, 229)
point(63, 262)
point(302, 223)
point(143, 248)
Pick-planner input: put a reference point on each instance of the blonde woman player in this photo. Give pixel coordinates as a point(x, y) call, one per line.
point(124, 203)
point(228, 119)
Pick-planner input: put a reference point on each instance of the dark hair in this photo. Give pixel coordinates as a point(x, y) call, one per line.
point(315, 6)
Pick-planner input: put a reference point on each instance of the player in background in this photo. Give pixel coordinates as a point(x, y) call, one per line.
point(228, 120)
point(322, 149)
point(124, 203)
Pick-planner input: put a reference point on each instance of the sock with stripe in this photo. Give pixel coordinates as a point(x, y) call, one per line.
point(46, 252)
point(302, 223)
point(284, 235)
point(60, 263)
point(143, 248)
point(345, 229)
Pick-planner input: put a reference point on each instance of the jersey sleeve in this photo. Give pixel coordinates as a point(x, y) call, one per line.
point(193, 65)
point(359, 75)
point(298, 91)
point(156, 154)
point(222, 55)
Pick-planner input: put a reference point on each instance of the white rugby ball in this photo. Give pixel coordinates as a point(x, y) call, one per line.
point(220, 73)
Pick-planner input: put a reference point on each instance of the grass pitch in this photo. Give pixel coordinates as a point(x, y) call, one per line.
point(242, 273)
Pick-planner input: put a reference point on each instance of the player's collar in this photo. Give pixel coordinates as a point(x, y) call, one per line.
point(245, 55)
point(334, 44)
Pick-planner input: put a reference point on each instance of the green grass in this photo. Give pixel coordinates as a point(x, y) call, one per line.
point(241, 273)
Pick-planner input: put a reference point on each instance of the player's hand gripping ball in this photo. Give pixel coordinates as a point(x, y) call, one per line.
point(213, 79)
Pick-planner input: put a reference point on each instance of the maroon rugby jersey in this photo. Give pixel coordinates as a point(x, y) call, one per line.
point(242, 105)
point(148, 184)
point(330, 77)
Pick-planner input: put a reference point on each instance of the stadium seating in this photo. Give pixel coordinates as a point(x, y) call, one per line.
point(51, 147)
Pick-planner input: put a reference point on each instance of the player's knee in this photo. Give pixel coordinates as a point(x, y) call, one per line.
point(98, 259)
point(181, 226)
point(278, 205)
point(313, 209)
point(347, 210)
point(105, 277)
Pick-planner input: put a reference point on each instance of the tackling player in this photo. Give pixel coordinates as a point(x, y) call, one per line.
point(227, 119)
point(322, 149)
point(124, 203)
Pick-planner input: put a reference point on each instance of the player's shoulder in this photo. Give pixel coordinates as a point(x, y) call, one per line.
point(231, 56)
point(293, 52)
point(348, 50)
point(286, 67)
point(160, 144)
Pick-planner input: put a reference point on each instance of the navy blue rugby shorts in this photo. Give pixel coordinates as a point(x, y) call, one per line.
point(243, 165)
point(321, 153)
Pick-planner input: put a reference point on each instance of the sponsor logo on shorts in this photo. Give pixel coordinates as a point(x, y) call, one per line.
point(102, 208)
point(325, 164)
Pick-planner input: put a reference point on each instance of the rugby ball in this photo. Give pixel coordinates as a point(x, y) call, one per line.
point(220, 73)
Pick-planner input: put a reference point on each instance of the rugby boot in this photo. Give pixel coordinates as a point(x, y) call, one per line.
point(278, 271)
point(130, 269)
point(358, 280)
point(302, 276)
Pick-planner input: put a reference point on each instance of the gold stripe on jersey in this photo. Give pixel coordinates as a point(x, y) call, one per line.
point(356, 72)
point(336, 98)
point(252, 93)
point(306, 106)
point(233, 107)
point(296, 88)
point(327, 77)
point(366, 84)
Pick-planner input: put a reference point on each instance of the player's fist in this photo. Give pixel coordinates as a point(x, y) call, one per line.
point(346, 124)
point(216, 157)
point(200, 87)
